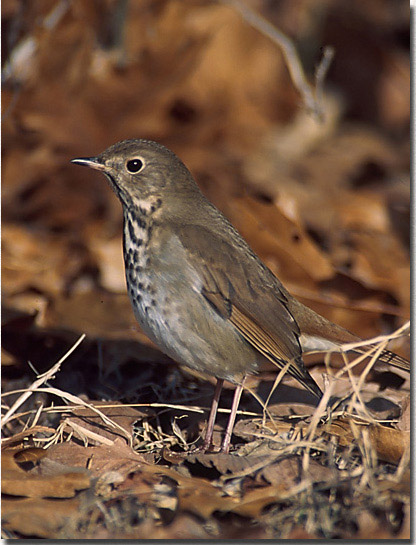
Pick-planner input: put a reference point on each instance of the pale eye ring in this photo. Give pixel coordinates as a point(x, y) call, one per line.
point(134, 165)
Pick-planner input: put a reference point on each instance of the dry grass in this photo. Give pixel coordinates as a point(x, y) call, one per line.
point(339, 483)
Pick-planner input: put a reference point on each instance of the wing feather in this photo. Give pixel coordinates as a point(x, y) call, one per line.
point(239, 286)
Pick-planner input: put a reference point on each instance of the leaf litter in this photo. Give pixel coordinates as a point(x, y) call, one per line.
point(98, 436)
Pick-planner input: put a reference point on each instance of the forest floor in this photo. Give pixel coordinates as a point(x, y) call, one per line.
point(98, 425)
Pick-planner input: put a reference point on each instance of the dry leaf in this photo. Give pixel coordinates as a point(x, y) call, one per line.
point(282, 243)
point(17, 482)
point(38, 517)
point(389, 444)
point(99, 460)
point(329, 212)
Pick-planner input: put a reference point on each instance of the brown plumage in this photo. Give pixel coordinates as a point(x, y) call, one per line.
point(197, 289)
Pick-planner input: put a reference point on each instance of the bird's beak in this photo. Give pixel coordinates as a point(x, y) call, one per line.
point(91, 162)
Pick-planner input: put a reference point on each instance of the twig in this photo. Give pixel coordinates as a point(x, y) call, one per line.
point(276, 383)
point(356, 396)
point(261, 403)
point(403, 330)
point(77, 400)
point(21, 435)
point(40, 380)
point(61, 409)
point(319, 412)
point(89, 434)
point(328, 53)
point(264, 405)
point(311, 97)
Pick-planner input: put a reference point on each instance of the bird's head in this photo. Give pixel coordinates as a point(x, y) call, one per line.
point(140, 170)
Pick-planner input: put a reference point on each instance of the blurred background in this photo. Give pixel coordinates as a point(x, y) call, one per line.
point(325, 204)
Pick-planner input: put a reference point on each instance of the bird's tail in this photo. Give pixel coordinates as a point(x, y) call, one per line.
point(387, 357)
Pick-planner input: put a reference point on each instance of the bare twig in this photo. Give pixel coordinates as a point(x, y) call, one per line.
point(276, 383)
point(87, 434)
point(40, 380)
point(328, 53)
point(402, 331)
point(311, 97)
point(21, 435)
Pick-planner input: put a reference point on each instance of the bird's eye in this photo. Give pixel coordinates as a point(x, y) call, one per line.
point(134, 165)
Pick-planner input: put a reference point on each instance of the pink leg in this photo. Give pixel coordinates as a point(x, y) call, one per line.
point(212, 415)
point(225, 447)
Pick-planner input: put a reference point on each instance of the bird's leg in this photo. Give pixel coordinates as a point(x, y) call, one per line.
point(225, 447)
point(212, 415)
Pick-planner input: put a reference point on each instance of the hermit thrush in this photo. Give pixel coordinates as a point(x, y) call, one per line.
point(198, 290)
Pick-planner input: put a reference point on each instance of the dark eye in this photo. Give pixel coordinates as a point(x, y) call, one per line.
point(134, 165)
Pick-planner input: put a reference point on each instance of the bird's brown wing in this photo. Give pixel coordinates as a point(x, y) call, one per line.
point(245, 292)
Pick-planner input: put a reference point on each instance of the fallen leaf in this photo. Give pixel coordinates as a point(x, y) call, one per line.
point(37, 516)
point(17, 482)
point(100, 459)
point(283, 244)
point(389, 444)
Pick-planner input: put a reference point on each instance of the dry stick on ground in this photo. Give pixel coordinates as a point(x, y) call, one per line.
point(402, 331)
point(62, 409)
point(373, 353)
point(36, 387)
point(358, 384)
point(264, 404)
point(76, 401)
point(5, 442)
point(312, 97)
point(277, 381)
point(40, 380)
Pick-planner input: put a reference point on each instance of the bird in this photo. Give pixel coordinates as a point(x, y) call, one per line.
point(198, 290)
